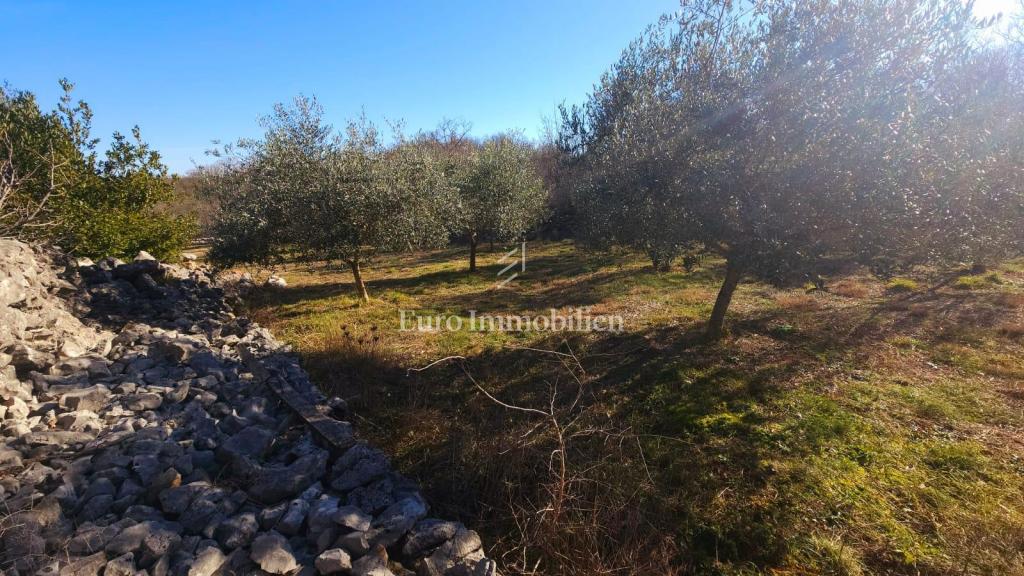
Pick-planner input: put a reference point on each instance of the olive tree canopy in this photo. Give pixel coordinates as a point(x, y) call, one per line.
point(783, 136)
point(305, 190)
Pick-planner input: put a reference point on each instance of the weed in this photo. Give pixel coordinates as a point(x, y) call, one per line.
point(902, 285)
point(978, 282)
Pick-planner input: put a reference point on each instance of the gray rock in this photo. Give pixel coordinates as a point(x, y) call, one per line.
point(373, 564)
point(142, 401)
point(250, 442)
point(275, 483)
point(373, 497)
point(175, 351)
point(293, 518)
point(321, 514)
point(10, 386)
point(159, 542)
point(355, 543)
point(237, 531)
point(427, 535)
point(359, 465)
point(207, 562)
point(121, 566)
point(464, 545)
point(96, 507)
point(89, 539)
point(206, 364)
point(57, 438)
point(273, 554)
point(78, 420)
point(147, 467)
point(17, 409)
point(99, 487)
point(92, 398)
point(401, 516)
point(176, 500)
point(134, 269)
point(486, 567)
point(352, 518)
point(26, 358)
point(132, 538)
point(270, 515)
point(88, 566)
point(9, 459)
point(333, 561)
point(178, 393)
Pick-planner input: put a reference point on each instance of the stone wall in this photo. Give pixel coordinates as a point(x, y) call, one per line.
point(148, 430)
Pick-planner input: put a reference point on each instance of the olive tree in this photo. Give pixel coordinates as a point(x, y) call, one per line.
point(306, 191)
point(502, 196)
point(783, 136)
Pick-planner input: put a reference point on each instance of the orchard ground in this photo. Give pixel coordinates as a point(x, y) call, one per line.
point(871, 427)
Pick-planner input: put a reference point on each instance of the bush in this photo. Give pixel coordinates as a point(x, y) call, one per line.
point(55, 188)
point(977, 282)
point(902, 285)
point(123, 234)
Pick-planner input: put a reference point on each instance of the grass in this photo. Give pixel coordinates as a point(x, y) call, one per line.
point(902, 285)
point(842, 431)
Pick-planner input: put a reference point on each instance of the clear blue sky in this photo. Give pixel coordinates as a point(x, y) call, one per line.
point(189, 72)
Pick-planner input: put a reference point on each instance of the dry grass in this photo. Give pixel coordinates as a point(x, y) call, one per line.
point(846, 431)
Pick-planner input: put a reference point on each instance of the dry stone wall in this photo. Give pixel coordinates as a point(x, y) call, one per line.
point(146, 429)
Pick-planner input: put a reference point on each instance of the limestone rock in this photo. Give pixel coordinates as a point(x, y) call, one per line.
point(333, 561)
point(273, 554)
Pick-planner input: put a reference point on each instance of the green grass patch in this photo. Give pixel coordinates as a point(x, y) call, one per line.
point(902, 285)
point(829, 434)
point(978, 282)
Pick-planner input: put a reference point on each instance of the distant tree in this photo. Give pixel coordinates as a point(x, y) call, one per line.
point(783, 136)
point(54, 188)
point(552, 165)
point(375, 200)
point(503, 196)
point(322, 196)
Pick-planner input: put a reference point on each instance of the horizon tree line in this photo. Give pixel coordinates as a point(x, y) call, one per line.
point(786, 138)
point(305, 191)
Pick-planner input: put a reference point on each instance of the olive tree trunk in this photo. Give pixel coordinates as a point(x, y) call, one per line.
point(472, 251)
point(716, 324)
point(357, 276)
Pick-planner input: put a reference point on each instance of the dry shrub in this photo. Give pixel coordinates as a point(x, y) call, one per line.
point(1012, 330)
point(1011, 300)
point(353, 363)
point(576, 489)
point(797, 302)
point(850, 288)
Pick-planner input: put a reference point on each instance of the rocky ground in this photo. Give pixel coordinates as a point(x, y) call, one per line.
point(148, 430)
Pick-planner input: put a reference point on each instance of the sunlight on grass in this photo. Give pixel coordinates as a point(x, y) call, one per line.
point(841, 431)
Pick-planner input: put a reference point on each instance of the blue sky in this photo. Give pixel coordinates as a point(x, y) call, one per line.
point(191, 72)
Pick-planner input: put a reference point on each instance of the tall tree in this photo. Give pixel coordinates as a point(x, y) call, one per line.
point(786, 135)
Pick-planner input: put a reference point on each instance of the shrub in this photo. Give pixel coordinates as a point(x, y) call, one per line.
point(902, 285)
point(56, 188)
point(977, 282)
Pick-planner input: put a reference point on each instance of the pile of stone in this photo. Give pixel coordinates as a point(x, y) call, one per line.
point(165, 435)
